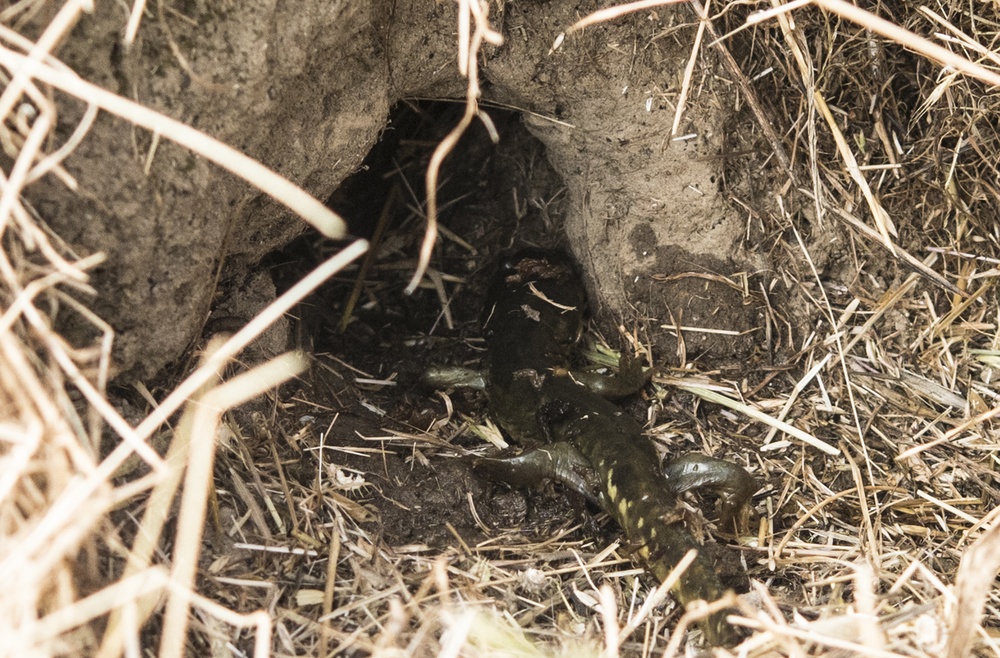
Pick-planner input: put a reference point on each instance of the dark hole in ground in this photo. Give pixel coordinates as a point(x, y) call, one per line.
point(489, 195)
point(367, 372)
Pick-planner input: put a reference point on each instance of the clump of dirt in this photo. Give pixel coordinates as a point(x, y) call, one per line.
point(697, 313)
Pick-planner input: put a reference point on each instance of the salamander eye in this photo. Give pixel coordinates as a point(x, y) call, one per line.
point(509, 265)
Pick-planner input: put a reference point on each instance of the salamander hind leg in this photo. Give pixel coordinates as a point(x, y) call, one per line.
point(729, 481)
point(556, 461)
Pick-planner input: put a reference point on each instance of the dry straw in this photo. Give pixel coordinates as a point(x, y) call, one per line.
point(877, 521)
point(56, 490)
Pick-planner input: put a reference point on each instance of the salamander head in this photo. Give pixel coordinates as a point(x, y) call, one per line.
point(537, 265)
point(543, 286)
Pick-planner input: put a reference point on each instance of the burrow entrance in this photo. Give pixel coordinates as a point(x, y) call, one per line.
point(360, 443)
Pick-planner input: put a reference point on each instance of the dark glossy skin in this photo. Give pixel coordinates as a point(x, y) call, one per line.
point(733, 485)
point(531, 322)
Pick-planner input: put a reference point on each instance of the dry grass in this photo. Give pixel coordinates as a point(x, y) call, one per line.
point(887, 547)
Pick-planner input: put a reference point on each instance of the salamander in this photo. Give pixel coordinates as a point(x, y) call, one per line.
point(571, 432)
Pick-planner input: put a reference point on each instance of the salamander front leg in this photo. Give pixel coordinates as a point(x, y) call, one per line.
point(454, 377)
point(630, 377)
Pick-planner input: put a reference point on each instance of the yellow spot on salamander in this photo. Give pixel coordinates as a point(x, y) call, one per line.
point(612, 489)
point(623, 508)
point(644, 552)
point(641, 522)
